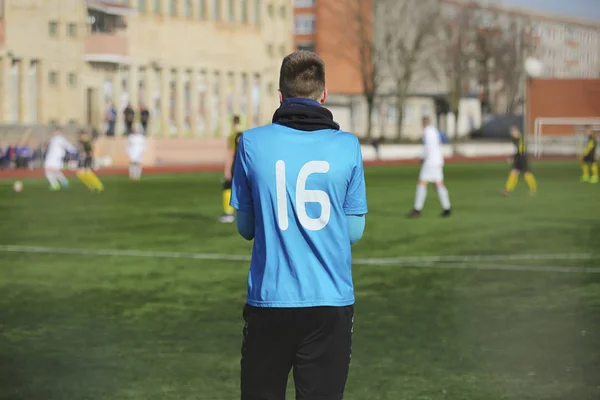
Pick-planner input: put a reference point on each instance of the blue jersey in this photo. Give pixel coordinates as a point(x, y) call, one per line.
point(300, 185)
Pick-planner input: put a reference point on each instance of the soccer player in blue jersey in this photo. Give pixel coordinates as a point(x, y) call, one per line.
point(299, 190)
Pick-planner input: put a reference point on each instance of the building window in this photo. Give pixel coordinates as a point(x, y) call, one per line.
point(141, 5)
point(53, 28)
point(283, 11)
point(217, 10)
point(282, 51)
point(304, 3)
point(173, 8)
point(392, 113)
point(72, 79)
point(271, 10)
point(72, 29)
point(408, 114)
point(257, 11)
point(53, 78)
point(305, 24)
point(187, 8)
point(156, 7)
point(270, 50)
point(307, 47)
point(244, 11)
point(202, 9)
point(231, 11)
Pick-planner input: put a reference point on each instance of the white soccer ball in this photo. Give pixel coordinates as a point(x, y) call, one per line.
point(18, 186)
point(534, 67)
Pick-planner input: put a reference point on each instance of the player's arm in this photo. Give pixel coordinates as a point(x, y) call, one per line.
point(356, 227)
point(241, 195)
point(69, 147)
point(245, 224)
point(355, 203)
point(426, 144)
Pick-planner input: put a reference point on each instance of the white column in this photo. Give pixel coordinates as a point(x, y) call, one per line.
point(208, 99)
point(165, 77)
point(4, 76)
point(248, 101)
point(236, 92)
point(133, 89)
point(222, 104)
point(116, 100)
point(23, 91)
point(180, 102)
point(194, 102)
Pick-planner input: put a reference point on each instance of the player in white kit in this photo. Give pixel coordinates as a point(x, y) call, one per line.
point(136, 143)
point(58, 148)
point(432, 170)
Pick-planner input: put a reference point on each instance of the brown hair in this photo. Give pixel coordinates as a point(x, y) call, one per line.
point(302, 75)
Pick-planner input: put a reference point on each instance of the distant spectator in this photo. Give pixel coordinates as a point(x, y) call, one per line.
point(375, 144)
point(23, 156)
point(12, 156)
point(129, 116)
point(111, 120)
point(144, 119)
point(3, 157)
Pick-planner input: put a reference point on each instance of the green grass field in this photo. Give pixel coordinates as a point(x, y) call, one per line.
point(140, 325)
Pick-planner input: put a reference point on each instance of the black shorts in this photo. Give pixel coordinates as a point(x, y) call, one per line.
point(86, 162)
point(520, 163)
point(316, 342)
point(589, 158)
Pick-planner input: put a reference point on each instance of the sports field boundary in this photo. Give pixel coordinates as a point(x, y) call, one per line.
point(456, 262)
point(177, 169)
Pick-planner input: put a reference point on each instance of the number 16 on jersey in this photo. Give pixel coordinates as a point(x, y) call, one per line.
point(303, 196)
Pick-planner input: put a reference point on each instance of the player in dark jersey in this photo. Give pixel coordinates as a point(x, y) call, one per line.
point(588, 161)
point(86, 160)
point(520, 165)
point(232, 146)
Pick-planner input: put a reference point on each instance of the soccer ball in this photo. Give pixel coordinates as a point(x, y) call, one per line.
point(18, 186)
point(534, 67)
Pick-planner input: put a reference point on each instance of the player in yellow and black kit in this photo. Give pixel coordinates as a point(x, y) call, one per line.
point(520, 164)
point(232, 146)
point(86, 158)
point(588, 161)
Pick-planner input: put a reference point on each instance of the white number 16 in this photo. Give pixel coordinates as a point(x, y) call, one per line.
point(303, 196)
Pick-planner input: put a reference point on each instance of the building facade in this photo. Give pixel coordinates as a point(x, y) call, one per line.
point(569, 48)
point(192, 64)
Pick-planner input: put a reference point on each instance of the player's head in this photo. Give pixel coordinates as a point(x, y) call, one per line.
point(236, 121)
point(425, 121)
point(588, 130)
point(515, 132)
point(82, 134)
point(56, 130)
point(302, 75)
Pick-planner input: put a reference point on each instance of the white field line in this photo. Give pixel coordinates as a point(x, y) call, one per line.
point(473, 262)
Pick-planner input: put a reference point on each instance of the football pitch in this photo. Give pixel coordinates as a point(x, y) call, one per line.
point(137, 293)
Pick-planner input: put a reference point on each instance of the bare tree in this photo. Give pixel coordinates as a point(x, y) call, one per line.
point(406, 33)
point(509, 50)
point(352, 26)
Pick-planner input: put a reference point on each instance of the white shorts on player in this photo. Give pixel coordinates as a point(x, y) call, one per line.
point(432, 170)
point(57, 150)
point(431, 173)
point(136, 143)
